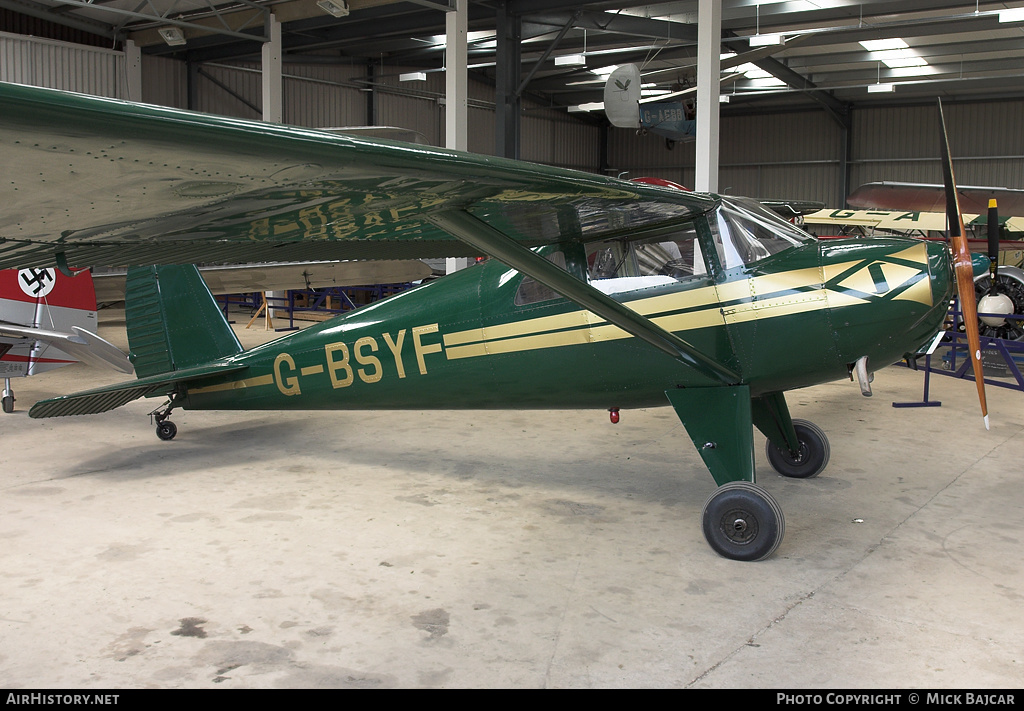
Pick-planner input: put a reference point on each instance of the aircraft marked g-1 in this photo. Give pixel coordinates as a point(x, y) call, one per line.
point(599, 293)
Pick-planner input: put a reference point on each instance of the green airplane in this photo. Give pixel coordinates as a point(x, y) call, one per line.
point(598, 292)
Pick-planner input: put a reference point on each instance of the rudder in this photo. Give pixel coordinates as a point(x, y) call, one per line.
point(173, 321)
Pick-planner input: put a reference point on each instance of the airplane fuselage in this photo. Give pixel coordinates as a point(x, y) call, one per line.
point(794, 319)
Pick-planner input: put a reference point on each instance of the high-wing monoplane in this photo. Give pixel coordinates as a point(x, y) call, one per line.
point(599, 292)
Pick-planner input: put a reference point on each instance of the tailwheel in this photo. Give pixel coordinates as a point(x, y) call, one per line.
point(809, 460)
point(742, 521)
point(166, 430)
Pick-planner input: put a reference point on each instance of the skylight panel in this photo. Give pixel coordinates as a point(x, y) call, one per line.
point(884, 44)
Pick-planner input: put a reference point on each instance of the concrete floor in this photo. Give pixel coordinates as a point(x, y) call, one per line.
point(503, 549)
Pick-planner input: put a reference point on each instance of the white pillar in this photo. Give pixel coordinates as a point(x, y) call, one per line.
point(709, 66)
point(133, 71)
point(273, 104)
point(456, 89)
point(456, 77)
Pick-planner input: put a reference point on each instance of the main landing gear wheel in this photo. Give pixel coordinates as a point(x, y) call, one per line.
point(166, 430)
point(742, 521)
point(811, 458)
point(8, 403)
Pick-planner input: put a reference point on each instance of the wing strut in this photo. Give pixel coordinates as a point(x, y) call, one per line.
point(490, 241)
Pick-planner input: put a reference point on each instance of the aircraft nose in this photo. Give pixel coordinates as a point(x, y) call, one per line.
point(940, 272)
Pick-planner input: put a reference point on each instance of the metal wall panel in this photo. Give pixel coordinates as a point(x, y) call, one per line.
point(323, 96)
point(164, 82)
point(552, 137)
point(775, 138)
point(413, 104)
point(792, 155)
point(230, 90)
point(986, 140)
point(60, 65)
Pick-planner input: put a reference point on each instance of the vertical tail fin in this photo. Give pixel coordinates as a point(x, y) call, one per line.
point(173, 321)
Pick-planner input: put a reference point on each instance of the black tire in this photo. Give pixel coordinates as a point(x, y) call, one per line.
point(742, 521)
point(8, 403)
point(812, 458)
point(166, 430)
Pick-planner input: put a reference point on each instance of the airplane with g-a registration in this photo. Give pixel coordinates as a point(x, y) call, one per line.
point(599, 293)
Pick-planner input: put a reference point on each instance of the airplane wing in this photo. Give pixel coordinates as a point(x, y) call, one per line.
point(102, 182)
point(82, 344)
point(923, 197)
point(95, 181)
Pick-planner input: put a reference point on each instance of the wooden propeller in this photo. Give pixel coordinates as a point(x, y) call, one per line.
point(964, 268)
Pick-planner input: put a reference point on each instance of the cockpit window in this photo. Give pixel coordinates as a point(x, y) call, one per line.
point(746, 232)
point(531, 291)
point(618, 265)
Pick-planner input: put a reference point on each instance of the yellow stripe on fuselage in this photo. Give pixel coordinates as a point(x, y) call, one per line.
point(805, 294)
point(235, 385)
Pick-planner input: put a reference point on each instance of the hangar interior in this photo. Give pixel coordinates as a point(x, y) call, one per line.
point(541, 548)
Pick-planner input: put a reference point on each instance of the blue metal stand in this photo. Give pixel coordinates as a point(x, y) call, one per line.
point(925, 402)
point(959, 364)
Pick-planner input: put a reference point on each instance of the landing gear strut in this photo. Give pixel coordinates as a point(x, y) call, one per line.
point(165, 429)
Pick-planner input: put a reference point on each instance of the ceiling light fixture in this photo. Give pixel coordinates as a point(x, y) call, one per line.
point(338, 8)
point(413, 76)
point(574, 60)
point(172, 36)
point(878, 86)
point(571, 60)
point(765, 40)
point(1013, 15)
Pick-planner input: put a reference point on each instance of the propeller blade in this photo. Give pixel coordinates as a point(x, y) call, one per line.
point(963, 267)
point(993, 244)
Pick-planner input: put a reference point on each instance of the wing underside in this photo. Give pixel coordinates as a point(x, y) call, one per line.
point(104, 182)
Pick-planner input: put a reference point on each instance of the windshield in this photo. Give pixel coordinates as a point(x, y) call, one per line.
point(746, 232)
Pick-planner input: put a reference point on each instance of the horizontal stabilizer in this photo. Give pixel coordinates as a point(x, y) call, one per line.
point(91, 402)
point(83, 345)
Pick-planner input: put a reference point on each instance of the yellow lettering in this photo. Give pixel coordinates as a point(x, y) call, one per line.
point(333, 366)
point(420, 348)
point(368, 360)
point(289, 385)
point(396, 350)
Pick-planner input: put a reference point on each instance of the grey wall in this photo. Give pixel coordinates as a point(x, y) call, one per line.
point(799, 155)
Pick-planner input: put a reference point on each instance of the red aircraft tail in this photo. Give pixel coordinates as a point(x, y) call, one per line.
point(42, 299)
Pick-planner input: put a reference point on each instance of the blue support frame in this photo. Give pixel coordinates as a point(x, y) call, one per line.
point(957, 363)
